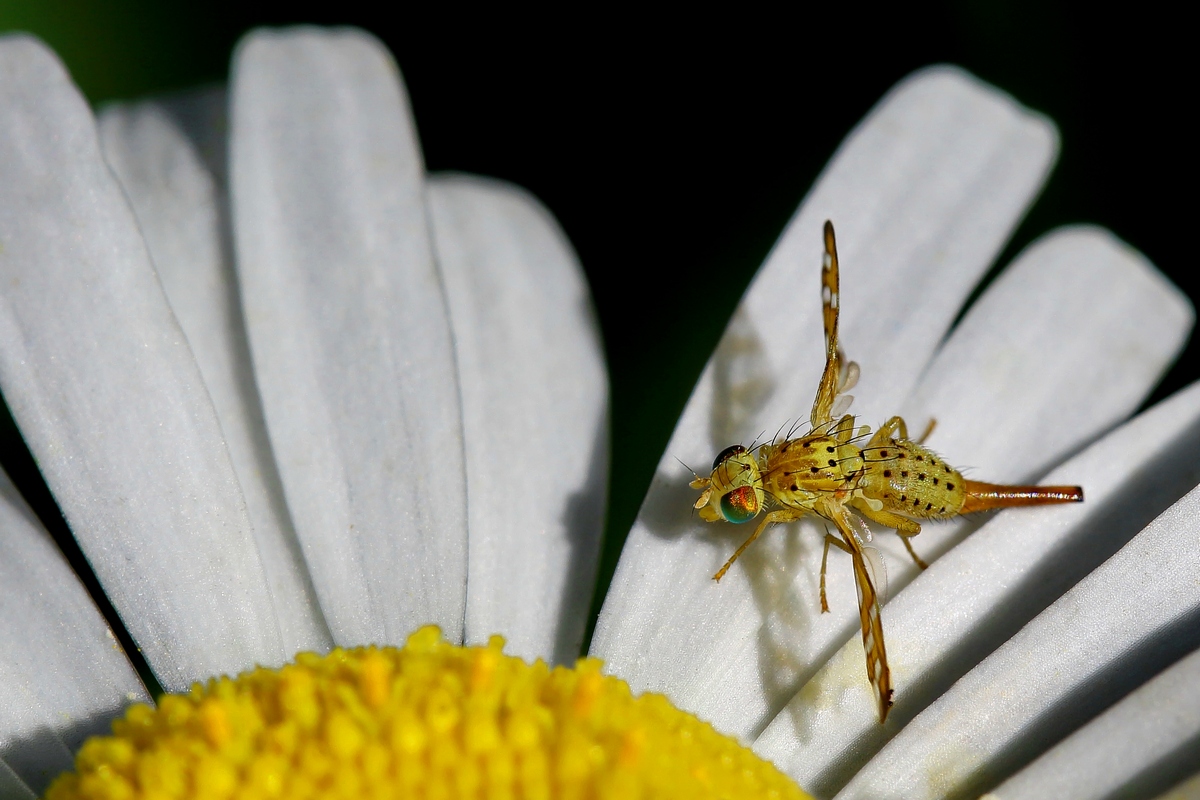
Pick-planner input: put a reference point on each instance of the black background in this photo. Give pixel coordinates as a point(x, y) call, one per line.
point(673, 147)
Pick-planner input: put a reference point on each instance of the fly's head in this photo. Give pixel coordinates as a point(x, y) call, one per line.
point(734, 491)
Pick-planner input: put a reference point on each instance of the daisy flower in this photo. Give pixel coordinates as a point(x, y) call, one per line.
point(292, 393)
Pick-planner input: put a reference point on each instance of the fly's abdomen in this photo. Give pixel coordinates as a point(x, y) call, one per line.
point(912, 480)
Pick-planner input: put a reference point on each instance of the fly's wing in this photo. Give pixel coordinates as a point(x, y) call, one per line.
point(822, 410)
point(869, 615)
point(877, 572)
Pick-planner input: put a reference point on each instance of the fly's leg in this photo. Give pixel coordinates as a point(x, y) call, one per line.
point(904, 527)
point(783, 515)
point(888, 430)
point(897, 428)
point(845, 430)
point(830, 539)
point(908, 546)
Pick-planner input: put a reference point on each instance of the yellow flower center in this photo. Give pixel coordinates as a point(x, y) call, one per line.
point(430, 720)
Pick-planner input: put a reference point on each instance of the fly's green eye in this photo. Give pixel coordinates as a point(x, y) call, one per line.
point(740, 505)
point(728, 453)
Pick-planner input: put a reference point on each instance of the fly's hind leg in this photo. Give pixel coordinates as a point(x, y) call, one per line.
point(908, 546)
point(830, 539)
point(904, 527)
point(783, 515)
point(888, 431)
point(896, 427)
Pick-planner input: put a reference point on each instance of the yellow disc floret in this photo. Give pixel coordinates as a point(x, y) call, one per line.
point(430, 720)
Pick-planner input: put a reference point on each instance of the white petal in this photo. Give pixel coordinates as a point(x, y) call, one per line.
point(535, 414)
point(1045, 362)
point(1134, 742)
point(1188, 789)
point(1131, 616)
point(923, 195)
point(63, 676)
point(108, 396)
point(158, 150)
point(973, 598)
point(348, 330)
point(12, 787)
point(1079, 316)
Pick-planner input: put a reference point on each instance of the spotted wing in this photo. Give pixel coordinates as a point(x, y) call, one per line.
point(822, 410)
point(868, 613)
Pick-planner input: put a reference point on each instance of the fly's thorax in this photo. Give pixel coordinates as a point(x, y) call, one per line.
point(912, 480)
point(801, 470)
point(736, 487)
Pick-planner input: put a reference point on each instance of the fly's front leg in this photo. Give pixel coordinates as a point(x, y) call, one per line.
point(782, 515)
point(830, 539)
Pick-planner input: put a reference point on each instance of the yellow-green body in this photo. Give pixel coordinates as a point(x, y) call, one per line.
point(890, 480)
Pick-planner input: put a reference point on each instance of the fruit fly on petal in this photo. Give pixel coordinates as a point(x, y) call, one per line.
point(839, 474)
